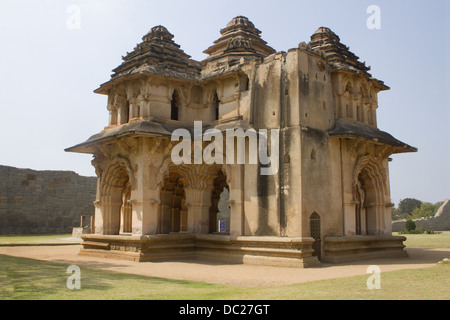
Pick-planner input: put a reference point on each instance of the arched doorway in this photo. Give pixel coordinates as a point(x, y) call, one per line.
point(188, 194)
point(369, 195)
point(360, 210)
point(126, 211)
point(315, 225)
point(116, 210)
point(173, 209)
point(175, 106)
point(219, 217)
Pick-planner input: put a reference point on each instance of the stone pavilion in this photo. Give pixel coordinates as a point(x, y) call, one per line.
point(329, 199)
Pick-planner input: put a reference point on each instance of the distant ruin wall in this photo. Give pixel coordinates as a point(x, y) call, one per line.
point(440, 222)
point(43, 202)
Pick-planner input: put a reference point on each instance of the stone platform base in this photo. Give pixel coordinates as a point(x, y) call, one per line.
point(272, 251)
point(269, 251)
point(345, 249)
point(78, 232)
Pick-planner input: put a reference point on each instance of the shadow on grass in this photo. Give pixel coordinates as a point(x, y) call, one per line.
point(32, 279)
point(29, 279)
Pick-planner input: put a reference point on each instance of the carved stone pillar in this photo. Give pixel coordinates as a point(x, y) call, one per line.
point(111, 214)
point(134, 108)
point(98, 227)
point(235, 181)
point(198, 202)
point(113, 115)
point(146, 193)
point(144, 103)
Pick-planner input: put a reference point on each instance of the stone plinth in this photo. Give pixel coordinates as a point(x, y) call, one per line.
point(344, 249)
point(271, 251)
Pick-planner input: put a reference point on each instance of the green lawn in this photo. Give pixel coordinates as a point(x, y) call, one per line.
point(440, 240)
point(28, 279)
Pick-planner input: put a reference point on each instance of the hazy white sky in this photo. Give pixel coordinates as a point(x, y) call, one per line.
point(49, 71)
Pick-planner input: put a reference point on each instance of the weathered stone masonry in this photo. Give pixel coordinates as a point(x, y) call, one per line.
point(330, 199)
point(43, 202)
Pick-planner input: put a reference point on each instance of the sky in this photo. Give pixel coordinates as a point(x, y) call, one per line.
point(55, 53)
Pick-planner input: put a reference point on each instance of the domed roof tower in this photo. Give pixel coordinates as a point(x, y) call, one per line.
point(157, 54)
point(240, 39)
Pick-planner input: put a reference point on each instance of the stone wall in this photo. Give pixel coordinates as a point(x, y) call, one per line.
point(43, 202)
point(440, 222)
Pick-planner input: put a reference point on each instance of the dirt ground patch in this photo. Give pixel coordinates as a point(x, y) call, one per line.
point(230, 274)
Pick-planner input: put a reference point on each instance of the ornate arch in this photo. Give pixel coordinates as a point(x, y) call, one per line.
point(198, 176)
point(369, 190)
point(346, 82)
point(116, 173)
point(373, 169)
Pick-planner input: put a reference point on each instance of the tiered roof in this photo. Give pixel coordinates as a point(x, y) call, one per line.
point(158, 54)
point(239, 39)
point(339, 55)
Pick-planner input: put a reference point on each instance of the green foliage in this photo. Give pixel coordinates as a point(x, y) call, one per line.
point(408, 205)
point(417, 230)
point(414, 209)
point(425, 210)
point(410, 225)
point(398, 215)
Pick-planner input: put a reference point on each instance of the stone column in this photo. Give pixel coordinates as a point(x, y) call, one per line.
point(113, 115)
point(145, 193)
point(125, 214)
point(145, 107)
point(111, 214)
point(198, 202)
point(236, 187)
point(98, 227)
point(145, 199)
point(145, 215)
point(375, 219)
point(134, 109)
point(166, 212)
point(363, 221)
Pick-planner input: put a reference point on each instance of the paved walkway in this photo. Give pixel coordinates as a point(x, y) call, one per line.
point(242, 275)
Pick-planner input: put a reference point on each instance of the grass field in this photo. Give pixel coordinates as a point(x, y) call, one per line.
point(28, 279)
point(440, 240)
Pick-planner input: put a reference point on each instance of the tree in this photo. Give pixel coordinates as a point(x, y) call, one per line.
point(410, 226)
point(395, 214)
point(408, 205)
point(426, 209)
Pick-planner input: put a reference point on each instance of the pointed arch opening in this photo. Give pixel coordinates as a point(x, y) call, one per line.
point(175, 106)
point(216, 104)
point(315, 229)
point(219, 216)
point(115, 198)
point(369, 195)
point(174, 212)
